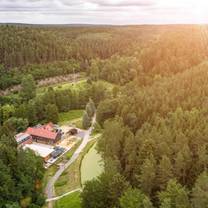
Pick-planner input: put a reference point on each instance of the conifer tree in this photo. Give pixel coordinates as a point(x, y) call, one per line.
point(174, 196)
point(165, 172)
point(28, 87)
point(200, 192)
point(86, 121)
point(148, 176)
point(134, 198)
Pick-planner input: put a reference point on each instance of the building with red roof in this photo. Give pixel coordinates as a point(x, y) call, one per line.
point(46, 134)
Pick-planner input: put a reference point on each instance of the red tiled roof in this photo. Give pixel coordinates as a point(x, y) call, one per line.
point(41, 132)
point(48, 126)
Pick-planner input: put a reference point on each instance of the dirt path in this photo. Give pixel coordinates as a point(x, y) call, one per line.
point(66, 194)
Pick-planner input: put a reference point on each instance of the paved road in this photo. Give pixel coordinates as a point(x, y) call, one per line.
point(50, 186)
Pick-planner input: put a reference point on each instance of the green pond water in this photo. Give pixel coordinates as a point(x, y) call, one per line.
point(92, 165)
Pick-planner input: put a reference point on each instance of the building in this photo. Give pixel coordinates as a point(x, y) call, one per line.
point(72, 131)
point(46, 134)
point(23, 139)
point(40, 150)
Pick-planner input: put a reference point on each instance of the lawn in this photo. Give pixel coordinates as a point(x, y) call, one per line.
point(70, 201)
point(75, 86)
point(64, 86)
point(71, 178)
point(70, 116)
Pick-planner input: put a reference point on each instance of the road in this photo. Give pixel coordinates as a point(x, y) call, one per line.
point(50, 186)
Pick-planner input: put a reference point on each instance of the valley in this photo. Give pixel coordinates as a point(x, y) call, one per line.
point(103, 117)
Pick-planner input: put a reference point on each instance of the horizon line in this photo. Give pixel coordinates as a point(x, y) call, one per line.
point(99, 24)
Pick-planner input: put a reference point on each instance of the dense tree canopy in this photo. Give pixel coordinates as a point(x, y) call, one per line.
point(155, 125)
point(21, 174)
point(149, 85)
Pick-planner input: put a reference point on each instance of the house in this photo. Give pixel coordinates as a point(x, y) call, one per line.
point(23, 139)
point(46, 134)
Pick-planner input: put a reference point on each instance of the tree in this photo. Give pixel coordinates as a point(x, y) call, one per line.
point(20, 171)
point(165, 172)
point(200, 192)
point(31, 113)
point(52, 114)
point(86, 121)
point(106, 109)
point(28, 87)
point(94, 70)
point(148, 176)
point(183, 163)
point(7, 111)
point(104, 191)
point(90, 108)
point(134, 198)
point(166, 203)
point(49, 97)
point(6, 184)
point(175, 196)
point(16, 124)
point(98, 91)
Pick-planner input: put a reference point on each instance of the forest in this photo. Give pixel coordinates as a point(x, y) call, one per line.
point(155, 134)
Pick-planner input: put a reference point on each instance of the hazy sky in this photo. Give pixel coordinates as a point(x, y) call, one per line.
point(104, 11)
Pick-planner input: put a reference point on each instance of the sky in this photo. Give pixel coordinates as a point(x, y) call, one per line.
point(115, 12)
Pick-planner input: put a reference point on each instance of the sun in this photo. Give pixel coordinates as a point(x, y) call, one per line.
point(196, 10)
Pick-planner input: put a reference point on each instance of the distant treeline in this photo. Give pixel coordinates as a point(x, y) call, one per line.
point(20, 46)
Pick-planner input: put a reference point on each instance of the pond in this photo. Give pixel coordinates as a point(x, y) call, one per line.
point(92, 165)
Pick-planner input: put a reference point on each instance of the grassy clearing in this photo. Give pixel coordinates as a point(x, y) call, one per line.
point(73, 86)
point(70, 116)
point(71, 178)
point(71, 201)
point(78, 123)
point(64, 86)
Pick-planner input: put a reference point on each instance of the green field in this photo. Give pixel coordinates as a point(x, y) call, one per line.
point(70, 116)
point(71, 201)
point(92, 165)
point(64, 86)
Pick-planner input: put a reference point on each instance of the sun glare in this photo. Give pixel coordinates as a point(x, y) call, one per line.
point(195, 10)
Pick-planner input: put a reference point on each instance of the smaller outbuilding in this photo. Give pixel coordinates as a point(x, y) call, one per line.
point(72, 132)
point(23, 139)
point(42, 151)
